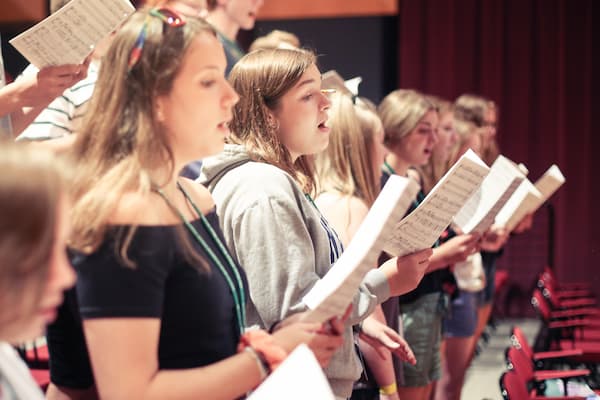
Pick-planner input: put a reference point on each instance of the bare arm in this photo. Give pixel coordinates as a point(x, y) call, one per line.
point(25, 98)
point(123, 352)
point(454, 250)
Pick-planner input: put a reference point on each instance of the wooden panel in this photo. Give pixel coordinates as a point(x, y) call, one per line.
point(13, 11)
point(299, 9)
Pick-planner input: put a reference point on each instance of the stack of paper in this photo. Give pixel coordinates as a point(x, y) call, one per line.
point(480, 211)
point(421, 229)
point(332, 294)
point(69, 35)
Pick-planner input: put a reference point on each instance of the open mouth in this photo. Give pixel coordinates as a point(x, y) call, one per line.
point(323, 126)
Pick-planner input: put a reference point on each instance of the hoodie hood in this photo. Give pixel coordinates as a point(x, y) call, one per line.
point(215, 167)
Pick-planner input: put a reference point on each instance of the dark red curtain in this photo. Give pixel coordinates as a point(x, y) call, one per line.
point(538, 59)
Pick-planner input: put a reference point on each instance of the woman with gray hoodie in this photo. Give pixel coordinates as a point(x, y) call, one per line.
point(262, 184)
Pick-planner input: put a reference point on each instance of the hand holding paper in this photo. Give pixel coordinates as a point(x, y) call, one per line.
point(69, 35)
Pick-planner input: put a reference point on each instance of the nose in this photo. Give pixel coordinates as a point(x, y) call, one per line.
point(230, 96)
point(62, 276)
point(325, 103)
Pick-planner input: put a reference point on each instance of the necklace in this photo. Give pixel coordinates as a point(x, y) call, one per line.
point(237, 288)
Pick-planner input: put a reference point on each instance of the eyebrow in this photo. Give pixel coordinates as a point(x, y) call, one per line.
point(305, 82)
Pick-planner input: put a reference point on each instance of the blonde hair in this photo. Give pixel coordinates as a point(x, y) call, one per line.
point(469, 113)
point(275, 39)
point(465, 132)
point(400, 112)
point(347, 163)
point(121, 139)
point(261, 79)
point(472, 108)
point(437, 165)
point(32, 185)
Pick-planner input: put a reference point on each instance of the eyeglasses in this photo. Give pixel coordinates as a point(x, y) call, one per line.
point(168, 17)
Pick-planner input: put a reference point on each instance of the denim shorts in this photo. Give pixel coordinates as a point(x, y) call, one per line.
point(461, 319)
point(422, 321)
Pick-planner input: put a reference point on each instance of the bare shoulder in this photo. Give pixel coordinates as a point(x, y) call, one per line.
point(358, 208)
point(137, 208)
point(199, 194)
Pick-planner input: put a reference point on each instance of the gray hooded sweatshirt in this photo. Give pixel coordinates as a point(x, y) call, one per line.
point(276, 234)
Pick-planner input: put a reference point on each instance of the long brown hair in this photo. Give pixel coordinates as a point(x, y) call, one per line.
point(121, 138)
point(31, 187)
point(347, 163)
point(261, 79)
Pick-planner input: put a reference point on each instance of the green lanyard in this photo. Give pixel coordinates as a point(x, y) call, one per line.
point(237, 289)
point(389, 168)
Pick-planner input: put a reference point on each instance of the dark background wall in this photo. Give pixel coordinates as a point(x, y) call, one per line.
point(353, 46)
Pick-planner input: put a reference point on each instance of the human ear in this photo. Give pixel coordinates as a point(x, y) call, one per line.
point(159, 110)
point(272, 121)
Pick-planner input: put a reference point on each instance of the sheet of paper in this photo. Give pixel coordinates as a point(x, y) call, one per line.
point(549, 182)
point(421, 228)
point(299, 377)
point(331, 295)
point(479, 212)
point(69, 35)
point(529, 197)
point(522, 202)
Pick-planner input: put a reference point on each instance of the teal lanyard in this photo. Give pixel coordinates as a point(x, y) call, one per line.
point(310, 199)
point(388, 168)
point(237, 288)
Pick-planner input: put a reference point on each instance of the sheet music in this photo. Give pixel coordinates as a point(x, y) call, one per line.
point(69, 35)
point(520, 204)
point(549, 182)
point(479, 212)
point(420, 229)
point(299, 377)
point(529, 197)
point(334, 292)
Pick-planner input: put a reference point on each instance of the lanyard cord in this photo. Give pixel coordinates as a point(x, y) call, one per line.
point(236, 290)
point(389, 168)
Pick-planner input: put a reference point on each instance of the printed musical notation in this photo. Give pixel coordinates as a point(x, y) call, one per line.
point(331, 295)
point(421, 228)
point(69, 35)
point(479, 212)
